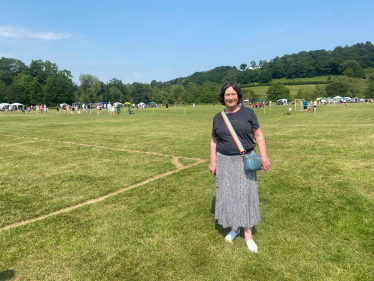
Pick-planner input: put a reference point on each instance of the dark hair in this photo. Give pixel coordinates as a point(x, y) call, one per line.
point(227, 85)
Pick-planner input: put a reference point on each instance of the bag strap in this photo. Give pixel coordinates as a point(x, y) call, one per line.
point(232, 132)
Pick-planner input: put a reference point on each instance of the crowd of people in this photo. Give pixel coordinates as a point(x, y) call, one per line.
point(39, 108)
point(87, 108)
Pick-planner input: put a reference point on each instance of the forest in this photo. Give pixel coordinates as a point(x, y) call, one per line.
point(42, 81)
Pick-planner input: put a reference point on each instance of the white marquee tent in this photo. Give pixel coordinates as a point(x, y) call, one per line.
point(16, 105)
point(3, 104)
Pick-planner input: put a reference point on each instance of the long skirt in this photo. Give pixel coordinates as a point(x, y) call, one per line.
point(237, 202)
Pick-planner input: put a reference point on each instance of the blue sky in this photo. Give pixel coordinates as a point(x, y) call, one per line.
point(138, 41)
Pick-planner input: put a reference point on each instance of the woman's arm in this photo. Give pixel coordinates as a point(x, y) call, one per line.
point(213, 155)
point(260, 140)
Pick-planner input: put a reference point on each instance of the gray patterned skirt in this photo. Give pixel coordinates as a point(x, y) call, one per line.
point(236, 193)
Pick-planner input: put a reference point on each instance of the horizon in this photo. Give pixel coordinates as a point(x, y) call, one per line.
point(141, 42)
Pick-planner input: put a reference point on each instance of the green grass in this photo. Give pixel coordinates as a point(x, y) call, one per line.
point(316, 78)
point(261, 90)
point(316, 202)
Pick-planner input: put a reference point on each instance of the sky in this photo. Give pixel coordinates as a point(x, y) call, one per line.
point(141, 41)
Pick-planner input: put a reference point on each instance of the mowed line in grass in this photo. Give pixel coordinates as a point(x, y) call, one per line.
point(35, 186)
point(316, 220)
point(174, 161)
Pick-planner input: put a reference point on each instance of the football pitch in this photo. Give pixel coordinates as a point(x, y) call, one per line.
point(130, 197)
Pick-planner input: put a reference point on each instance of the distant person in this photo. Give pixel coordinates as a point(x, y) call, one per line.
point(118, 109)
point(237, 202)
point(83, 108)
point(109, 108)
point(305, 105)
point(167, 106)
point(345, 103)
point(193, 105)
point(88, 109)
point(314, 106)
point(58, 109)
point(45, 108)
point(98, 109)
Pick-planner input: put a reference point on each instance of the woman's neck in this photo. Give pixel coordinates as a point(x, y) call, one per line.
point(232, 109)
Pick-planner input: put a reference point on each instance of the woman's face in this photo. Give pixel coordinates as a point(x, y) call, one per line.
point(231, 97)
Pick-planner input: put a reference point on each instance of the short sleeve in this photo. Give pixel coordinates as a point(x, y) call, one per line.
point(253, 120)
point(214, 128)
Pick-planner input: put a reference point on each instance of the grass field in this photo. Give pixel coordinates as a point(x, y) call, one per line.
point(61, 217)
point(316, 78)
point(261, 90)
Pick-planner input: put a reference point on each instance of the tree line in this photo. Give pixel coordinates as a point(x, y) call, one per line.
point(43, 82)
point(351, 61)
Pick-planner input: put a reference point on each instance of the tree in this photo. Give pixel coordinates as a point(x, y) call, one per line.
point(346, 86)
point(90, 88)
point(336, 88)
point(253, 63)
point(3, 92)
point(352, 68)
point(10, 68)
point(278, 91)
point(318, 92)
point(369, 92)
point(115, 94)
point(249, 94)
point(59, 88)
point(243, 66)
point(31, 88)
point(265, 77)
point(300, 95)
point(141, 92)
point(177, 91)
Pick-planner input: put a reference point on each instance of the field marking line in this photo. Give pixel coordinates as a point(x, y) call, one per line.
point(101, 146)
point(175, 161)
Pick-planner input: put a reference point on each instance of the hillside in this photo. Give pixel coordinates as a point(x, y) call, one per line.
point(350, 61)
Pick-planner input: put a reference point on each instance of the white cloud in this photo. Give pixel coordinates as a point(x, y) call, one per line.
point(15, 32)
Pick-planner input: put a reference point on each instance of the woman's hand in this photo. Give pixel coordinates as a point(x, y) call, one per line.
point(265, 163)
point(213, 168)
point(259, 137)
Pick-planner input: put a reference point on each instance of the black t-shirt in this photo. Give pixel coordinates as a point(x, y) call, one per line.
point(242, 121)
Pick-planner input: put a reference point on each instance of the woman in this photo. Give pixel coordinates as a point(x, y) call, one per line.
point(236, 190)
point(314, 106)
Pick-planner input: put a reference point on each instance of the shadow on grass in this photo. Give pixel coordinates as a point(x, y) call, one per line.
point(7, 274)
point(224, 231)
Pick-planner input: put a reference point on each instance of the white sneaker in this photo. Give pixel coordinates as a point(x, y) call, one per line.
point(252, 245)
point(231, 236)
